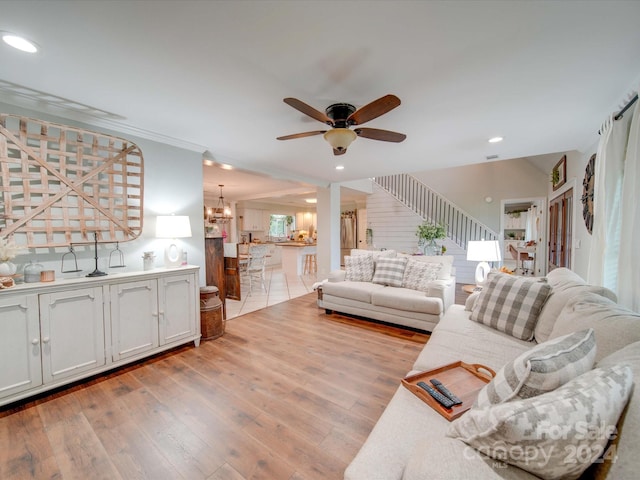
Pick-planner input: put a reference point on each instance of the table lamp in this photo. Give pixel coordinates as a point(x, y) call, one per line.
point(173, 226)
point(483, 251)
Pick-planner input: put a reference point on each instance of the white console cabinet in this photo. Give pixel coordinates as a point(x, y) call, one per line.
point(59, 332)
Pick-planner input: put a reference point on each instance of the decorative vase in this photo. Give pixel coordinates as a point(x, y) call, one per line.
point(7, 269)
point(431, 248)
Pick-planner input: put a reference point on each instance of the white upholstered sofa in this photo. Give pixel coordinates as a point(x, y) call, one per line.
point(413, 291)
point(411, 441)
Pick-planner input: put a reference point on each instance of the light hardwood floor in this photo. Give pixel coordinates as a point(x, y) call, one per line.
point(286, 393)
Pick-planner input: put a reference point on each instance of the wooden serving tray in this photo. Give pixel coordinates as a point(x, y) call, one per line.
point(462, 379)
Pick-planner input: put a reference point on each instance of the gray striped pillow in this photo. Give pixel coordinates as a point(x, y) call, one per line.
point(542, 369)
point(390, 271)
point(511, 304)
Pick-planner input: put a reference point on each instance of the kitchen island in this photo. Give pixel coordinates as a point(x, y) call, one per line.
point(293, 256)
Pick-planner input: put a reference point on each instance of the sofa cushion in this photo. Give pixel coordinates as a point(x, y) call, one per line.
point(389, 271)
point(556, 435)
point(511, 304)
point(458, 338)
point(418, 275)
point(407, 300)
point(446, 261)
point(360, 291)
point(359, 268)
point(565, 284)
point(545, 367)
point(614, 326)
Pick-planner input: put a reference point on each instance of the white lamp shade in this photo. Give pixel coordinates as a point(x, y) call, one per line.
point(173, 226)
point(340, 138)
point(483, 251)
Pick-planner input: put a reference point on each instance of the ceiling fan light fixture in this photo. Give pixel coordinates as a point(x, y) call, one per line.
point(340, 138)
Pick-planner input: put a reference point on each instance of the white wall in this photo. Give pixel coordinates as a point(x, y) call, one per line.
point(172, 184)
point(468, 186)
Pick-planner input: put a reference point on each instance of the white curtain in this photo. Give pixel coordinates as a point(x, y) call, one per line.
point(603, 259)
point(629, 262)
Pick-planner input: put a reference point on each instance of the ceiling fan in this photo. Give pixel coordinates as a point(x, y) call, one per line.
point(341, 116)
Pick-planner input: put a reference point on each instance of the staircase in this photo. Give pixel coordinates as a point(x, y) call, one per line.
point(429, 205)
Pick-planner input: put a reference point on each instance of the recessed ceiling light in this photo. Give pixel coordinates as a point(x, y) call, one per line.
point(311, 200)
point(495, 139)
point(339, 167)
point(20, 43)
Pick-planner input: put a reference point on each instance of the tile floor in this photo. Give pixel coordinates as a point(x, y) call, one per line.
point(280, 288)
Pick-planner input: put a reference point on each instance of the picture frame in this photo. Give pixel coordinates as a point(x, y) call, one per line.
point(559, 173)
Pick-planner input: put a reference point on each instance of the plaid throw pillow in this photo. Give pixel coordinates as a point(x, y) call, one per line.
point(359, 268)
point(390, 271)
point(511, 305)
point(542, 369)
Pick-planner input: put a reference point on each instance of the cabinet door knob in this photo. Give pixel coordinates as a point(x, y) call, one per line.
point(35, 341)
point(45, 340)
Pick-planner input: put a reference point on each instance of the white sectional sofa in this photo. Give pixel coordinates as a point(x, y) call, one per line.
point(411, 441)
point(415, 294)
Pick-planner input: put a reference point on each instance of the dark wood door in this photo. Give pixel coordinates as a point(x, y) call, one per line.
point(560, 230)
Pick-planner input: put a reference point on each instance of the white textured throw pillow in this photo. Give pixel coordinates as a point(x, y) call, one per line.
point(390, 271)
point(418, 275)
point(557, 435)
point(511, 304)
point(359, 268)
point(542, 369)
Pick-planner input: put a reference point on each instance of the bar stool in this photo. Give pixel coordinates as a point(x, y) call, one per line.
point(310, 264)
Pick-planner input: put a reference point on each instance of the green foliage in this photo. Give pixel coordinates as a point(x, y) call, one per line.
point(431, 231)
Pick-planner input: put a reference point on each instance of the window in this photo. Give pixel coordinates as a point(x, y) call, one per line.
point(281, 225)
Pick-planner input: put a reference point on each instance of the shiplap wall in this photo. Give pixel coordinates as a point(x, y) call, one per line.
point(394, 227)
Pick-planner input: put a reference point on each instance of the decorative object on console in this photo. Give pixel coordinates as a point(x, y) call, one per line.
point(173, 226)
point(483, 251)
point(8, 251)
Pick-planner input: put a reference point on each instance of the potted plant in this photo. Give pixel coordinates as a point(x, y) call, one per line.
point(427, 234)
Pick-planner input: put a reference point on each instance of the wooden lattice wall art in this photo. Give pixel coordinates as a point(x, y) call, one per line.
point(61, 184)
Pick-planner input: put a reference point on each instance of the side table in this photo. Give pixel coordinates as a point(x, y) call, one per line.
point(469, 289)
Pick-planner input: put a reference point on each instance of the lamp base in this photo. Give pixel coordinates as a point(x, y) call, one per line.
point(172, 256)
point(482, 271)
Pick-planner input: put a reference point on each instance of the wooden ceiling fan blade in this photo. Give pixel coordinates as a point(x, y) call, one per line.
point(302, 135)
point(308, 110)
point(373, 110)
point(377, 134)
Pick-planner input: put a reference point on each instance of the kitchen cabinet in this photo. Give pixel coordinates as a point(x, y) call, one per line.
point(56, 333)
point(253, 220)
point(305, 220)
point(20, 362)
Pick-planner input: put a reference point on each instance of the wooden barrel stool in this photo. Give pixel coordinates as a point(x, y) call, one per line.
point(310, 263)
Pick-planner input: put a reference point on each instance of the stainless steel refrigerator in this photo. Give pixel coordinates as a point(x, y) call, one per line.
point(348, 233)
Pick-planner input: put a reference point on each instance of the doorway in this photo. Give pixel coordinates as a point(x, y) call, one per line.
point(523, 235)
point(560, 230)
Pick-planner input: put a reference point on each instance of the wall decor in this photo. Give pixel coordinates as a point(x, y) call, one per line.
point(559, 173)
point(61, 184)
point(587, 193)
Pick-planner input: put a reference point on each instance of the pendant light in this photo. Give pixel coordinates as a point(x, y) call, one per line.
point(222, 213)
